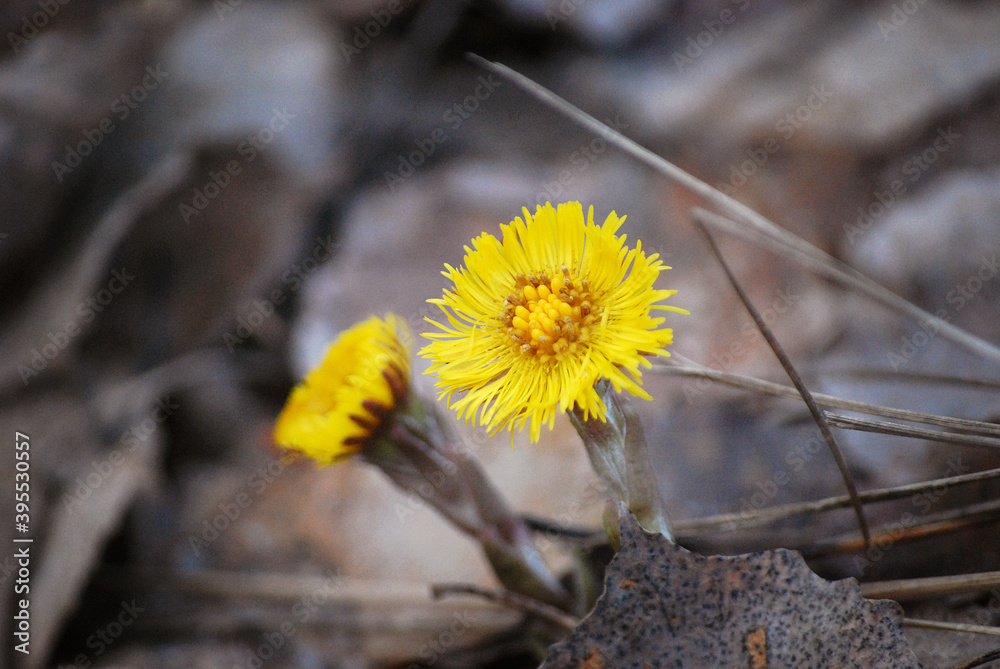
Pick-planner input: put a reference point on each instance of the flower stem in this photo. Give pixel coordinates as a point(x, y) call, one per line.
point(421, 456)
point(619, 454)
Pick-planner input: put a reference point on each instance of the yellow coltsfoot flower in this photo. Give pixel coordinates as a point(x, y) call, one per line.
point(358, 402)
point(344, 401)
point(537, 318)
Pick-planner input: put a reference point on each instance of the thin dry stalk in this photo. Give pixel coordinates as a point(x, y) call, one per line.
point(978, 661)
point(951, 627)
point(800, 386)
point(779, 238)
point(911, 376)
point(758, 230)
point(885, 427)
point(726, 522)
point(913, 589)
point(510, 600)
point(693, 369)
point(892, 534)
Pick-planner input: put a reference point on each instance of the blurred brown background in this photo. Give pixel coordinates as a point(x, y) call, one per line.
point(195, 197)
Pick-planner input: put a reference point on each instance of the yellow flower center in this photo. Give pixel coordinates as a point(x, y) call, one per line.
point(549, 317)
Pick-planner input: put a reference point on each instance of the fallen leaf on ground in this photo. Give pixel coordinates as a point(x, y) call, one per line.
point(665, 606)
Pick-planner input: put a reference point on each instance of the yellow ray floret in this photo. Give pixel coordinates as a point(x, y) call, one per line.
point(343, 401)
point(536, 318)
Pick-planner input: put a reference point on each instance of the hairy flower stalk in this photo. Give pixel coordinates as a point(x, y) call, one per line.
point(358, 402)
point(619, 454)
point(421, 455)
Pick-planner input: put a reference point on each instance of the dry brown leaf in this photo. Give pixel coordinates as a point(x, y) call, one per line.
point(665, 606)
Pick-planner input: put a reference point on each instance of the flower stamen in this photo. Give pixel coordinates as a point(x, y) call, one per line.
point(549, 316)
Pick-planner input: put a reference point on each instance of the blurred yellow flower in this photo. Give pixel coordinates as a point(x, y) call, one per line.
point(341, 403)
point(535, 320)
